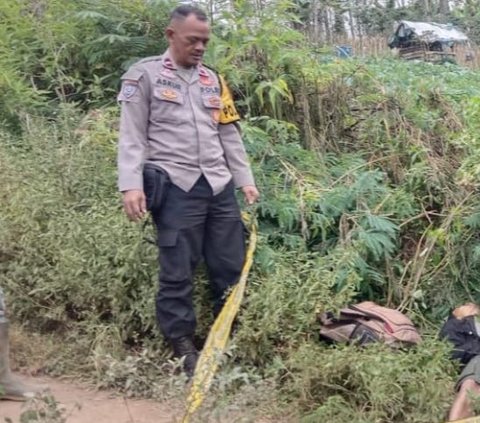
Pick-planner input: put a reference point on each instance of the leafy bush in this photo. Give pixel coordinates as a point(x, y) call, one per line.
point(368, 178)
point(75, 51)
point(71, 253)
point(371, 385)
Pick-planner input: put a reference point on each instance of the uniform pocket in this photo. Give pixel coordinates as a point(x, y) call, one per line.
point(168, 95)
point(155, 186)
point(167, 106)
point(212, 102)
point(167, 237)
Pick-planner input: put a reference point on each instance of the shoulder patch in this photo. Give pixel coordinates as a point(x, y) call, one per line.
point(129, 89)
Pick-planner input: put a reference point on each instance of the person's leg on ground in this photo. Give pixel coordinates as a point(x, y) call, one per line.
point(224, 244)
point(11, 387)
point(461, 407)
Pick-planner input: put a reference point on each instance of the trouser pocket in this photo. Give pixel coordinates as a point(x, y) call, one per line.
point(155, 185)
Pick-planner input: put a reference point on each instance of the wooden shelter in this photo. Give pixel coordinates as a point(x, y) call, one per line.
point(428, 41)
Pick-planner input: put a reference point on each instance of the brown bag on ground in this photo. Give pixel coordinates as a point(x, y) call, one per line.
point(368, 322)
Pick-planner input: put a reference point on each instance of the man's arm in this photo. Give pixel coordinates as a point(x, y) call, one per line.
point(135, 109)
point(237, 161)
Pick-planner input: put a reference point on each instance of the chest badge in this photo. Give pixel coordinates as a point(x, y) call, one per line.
point(206, 80)
point(214, 101)
point(169, 94)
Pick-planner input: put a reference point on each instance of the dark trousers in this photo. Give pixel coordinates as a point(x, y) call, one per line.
point(191, 225)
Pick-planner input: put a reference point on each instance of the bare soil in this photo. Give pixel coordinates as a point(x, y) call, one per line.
point(86, 405)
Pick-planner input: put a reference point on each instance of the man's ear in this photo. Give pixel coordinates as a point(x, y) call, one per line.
point(169, 32)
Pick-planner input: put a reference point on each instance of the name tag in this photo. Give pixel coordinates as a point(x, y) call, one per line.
point(168, 83)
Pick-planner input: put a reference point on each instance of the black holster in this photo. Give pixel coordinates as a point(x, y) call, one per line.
point(155, 186)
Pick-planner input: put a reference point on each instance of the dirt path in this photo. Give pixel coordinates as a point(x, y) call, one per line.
point(96, 407)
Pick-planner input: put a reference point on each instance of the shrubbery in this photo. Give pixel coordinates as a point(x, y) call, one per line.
point(368, 176)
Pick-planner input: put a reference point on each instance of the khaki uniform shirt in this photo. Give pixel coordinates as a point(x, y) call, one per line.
point(174, 124)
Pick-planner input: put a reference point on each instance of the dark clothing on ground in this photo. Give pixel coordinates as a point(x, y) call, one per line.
point(462, 333)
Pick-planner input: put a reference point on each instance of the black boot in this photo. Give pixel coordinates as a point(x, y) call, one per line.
point(184, 347)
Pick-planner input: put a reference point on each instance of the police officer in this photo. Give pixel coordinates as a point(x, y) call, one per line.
point(181, 156)
point(10, 386)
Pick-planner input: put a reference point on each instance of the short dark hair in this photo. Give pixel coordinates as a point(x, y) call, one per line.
point(185, 10)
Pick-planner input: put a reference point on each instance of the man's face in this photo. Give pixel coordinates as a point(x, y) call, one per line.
point(188, 40)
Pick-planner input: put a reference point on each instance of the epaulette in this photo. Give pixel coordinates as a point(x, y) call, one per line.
point(149, 59)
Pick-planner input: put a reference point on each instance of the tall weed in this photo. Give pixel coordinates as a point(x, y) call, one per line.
point(368, 177)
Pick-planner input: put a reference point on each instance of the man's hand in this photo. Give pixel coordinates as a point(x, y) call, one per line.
point(134, 204)
point(251, 194)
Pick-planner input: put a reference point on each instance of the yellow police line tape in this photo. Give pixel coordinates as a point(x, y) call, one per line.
point(220, 331)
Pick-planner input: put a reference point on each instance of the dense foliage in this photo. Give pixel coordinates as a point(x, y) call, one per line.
point(368, 173)
point(327, 21)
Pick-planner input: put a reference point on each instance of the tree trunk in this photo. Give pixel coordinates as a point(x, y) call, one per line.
point(326, 25)
point(339, 25)
point(444, 8)
point(315, 22)
point(428, 12)
point(350, 20)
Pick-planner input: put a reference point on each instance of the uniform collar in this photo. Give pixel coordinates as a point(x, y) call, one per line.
point(169, 64)
point(202, 71)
